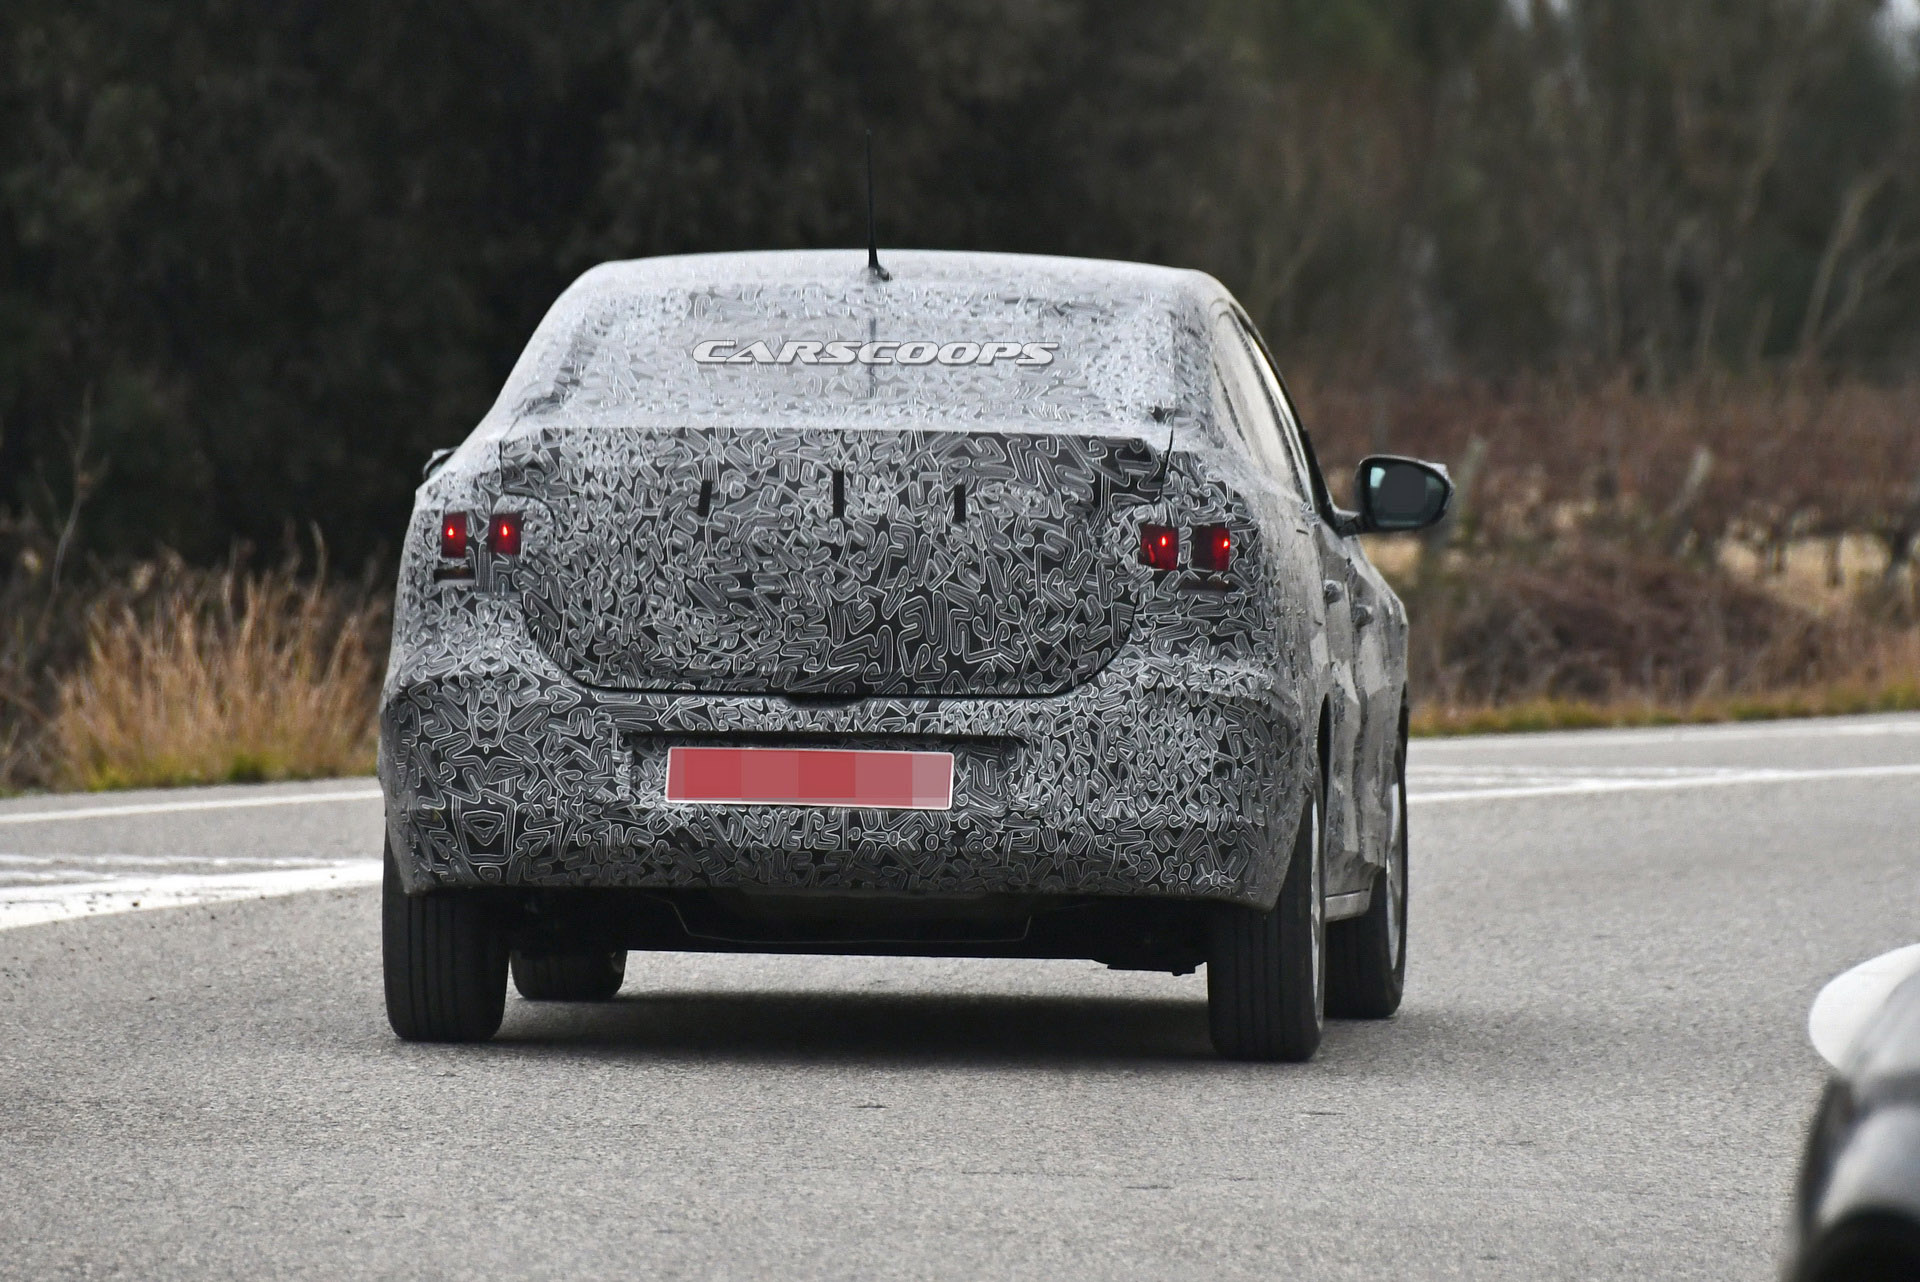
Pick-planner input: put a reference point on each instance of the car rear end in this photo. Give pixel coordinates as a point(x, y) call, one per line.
point(937, 648)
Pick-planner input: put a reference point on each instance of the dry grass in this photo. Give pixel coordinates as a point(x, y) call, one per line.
point(219, 677)
point(1586, 634)
point(1754, 466)
point(1884, 676)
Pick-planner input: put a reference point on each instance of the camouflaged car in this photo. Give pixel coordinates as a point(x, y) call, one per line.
point(985, 605)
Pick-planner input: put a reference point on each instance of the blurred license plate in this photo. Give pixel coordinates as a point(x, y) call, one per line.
point(810, 777)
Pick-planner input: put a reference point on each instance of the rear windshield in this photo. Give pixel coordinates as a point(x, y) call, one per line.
point(878, 353)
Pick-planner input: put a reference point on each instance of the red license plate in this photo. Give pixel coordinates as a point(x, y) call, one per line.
point(810, 777)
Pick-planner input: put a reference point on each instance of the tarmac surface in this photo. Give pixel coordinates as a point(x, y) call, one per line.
point(1601, 1069)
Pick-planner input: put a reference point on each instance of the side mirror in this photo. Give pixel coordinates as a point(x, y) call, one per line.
point(435, 459)
point(1397, 495)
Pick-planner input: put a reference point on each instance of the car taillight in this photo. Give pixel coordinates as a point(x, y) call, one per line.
point(1212, 547)
point(1160, 547)
point(453, 536)
point(503, 534)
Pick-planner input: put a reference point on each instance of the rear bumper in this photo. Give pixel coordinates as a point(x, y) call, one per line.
point(1162, 778)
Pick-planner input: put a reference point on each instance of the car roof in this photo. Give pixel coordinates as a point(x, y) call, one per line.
point(1112, 378)
point(1090, 278)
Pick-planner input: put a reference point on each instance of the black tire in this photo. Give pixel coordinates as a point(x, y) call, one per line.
point(569, 977)
point(1266, 971)
point(1367, 955)
point(445, 963)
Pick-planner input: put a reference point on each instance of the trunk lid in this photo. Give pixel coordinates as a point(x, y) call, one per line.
point(824, 562)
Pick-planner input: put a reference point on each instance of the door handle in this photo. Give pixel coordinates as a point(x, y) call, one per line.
point(1332, 590)
point(1362, 614)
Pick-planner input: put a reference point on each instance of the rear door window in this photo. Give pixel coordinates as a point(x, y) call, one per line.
point(1294, 437)
point(1256, 416)
point(1229, 414)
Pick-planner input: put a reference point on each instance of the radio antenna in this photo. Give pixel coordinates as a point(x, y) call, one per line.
point(873, 243)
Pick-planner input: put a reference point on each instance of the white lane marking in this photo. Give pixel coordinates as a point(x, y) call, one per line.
point(1431, 778)
point(9, 858)
point(1586, 786)
point(33, 905)
point(69, 869)
point(169, 807)
point(1488, 771)
point(1852, 998)
point(15, 877)
point(1787, 728)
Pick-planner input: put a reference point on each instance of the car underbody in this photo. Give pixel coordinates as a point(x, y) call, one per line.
point(1125, 933)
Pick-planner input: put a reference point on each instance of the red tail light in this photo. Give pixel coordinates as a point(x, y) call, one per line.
point(1160, 547)
point(503, 534)
point(453, 536)
point(1212, 547)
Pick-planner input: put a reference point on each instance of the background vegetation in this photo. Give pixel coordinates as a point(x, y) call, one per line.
point(1641, 270)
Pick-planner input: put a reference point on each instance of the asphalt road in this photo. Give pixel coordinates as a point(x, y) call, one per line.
point(1601, 1069)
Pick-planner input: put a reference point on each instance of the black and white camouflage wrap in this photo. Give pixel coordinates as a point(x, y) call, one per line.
point(931, 556)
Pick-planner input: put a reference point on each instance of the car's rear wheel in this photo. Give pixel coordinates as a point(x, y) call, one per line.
point(445, 962)
point(569, 977)
point(1266, 971)
point(1367, 955)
